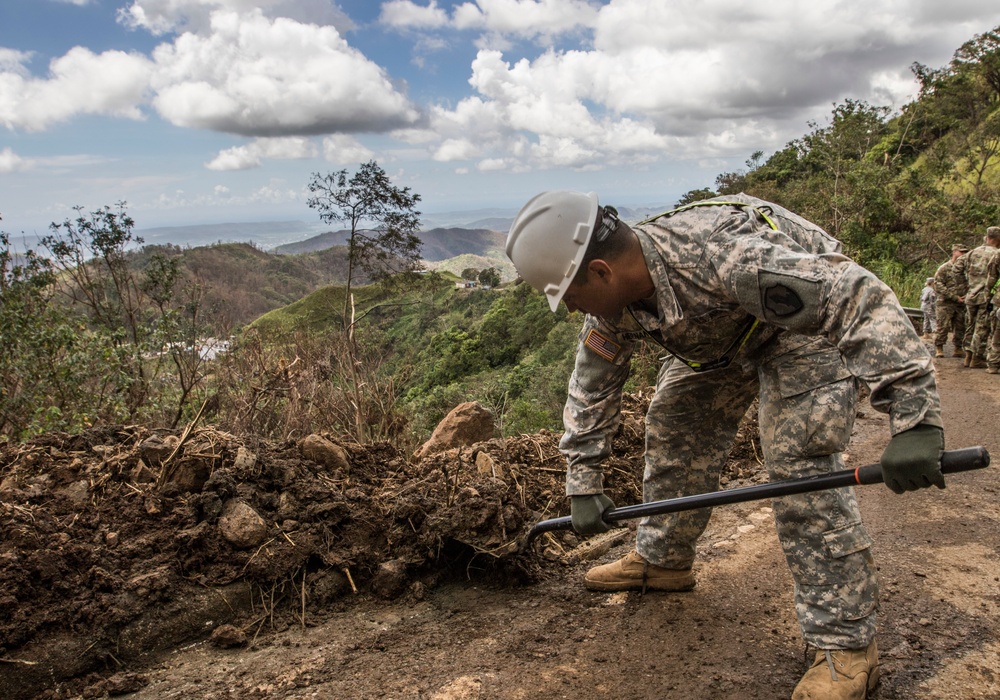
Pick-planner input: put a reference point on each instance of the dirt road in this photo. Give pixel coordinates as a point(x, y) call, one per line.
point(734, 636)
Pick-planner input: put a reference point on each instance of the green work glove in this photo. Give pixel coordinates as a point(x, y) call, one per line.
point(586, 512)
point(912, 459)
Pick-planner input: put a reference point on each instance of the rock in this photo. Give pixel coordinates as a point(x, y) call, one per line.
point(324, 452)
point(156, 449)
point(190, 475)
point(245, 459)
point(486, 466)
point(241, 525)
point(228, 637)
point(390, 580)
point(77, 492)
point(467, 424)
point(142, 474)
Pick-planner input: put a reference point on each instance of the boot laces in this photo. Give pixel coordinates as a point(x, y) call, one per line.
point(829, 662)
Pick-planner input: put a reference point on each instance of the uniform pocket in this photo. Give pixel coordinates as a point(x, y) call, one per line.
point(810, 404)
point(843, 584)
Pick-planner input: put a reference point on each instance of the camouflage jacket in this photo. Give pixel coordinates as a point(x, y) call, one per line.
point(977, 271)
point(717, 270)
point(947, 286)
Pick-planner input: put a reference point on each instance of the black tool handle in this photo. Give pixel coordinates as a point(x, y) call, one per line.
point(952, 461)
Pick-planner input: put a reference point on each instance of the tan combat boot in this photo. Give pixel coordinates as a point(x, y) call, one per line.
point(959, 352)
point(968, 359)
point(938, 351)
point(632, 572)
point(843, 674)
point(977, 362)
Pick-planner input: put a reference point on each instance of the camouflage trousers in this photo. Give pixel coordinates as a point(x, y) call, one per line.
point(950, 320)
point(977, 329)
point(993, 351)
point(807, 407)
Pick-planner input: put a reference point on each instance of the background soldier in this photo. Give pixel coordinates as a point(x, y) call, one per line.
point(928, 304)
point(950, 304)
point(993, 352)
point(977, 272)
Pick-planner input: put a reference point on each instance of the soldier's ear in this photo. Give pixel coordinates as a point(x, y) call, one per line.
point(601, 269)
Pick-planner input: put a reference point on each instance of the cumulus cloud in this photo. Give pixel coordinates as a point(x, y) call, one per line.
point(161, 17)
point(404, 14)
point(536, 115)
point(343, 150)
point(716, 79)
point(246, 74)
point(526, 18)
point(80, 82)
point(523, 18)
point(260, 77)
point(9, 161)
point(253, 154)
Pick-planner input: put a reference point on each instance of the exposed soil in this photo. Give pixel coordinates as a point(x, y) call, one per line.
point(395, 578)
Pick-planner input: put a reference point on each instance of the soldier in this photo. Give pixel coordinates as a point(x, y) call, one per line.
point(950, 304)
point(993, 352)
point(977, 272)
point(928, 301)
point(749, 300)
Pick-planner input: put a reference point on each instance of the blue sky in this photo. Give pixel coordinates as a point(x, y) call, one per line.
point(210, 111)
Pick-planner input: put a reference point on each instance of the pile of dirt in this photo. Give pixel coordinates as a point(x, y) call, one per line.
point(122, 542)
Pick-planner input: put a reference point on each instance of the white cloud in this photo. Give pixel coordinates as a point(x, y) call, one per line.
point(250, 75)
point(168, 16)
point(724, 79)
point(343, 150)
point(405, 14)
point(10, 162)
point(456, 149)
point(253, 154)
point(80, 82)
point(12, 61)
point(496, 18)
point(275, 192)
point(260, 77)
point(526, 18)
point(534, 114)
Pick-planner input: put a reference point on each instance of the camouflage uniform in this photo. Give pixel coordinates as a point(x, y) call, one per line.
point(977, 273)
point(993, 351)
point(824, 323)
point(950, 310)
point(928, 304)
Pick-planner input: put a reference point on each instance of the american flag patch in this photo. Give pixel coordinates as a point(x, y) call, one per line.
point(602, 345)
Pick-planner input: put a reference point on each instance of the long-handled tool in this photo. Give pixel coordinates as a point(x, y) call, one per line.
point(952, 461)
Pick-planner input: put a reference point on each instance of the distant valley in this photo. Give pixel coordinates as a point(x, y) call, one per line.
point(439, 232)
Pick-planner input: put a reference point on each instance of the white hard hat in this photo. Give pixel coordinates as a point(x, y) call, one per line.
point(548, 240)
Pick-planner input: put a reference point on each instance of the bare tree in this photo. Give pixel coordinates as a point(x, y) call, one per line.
point(382, 242)
point(382, 222)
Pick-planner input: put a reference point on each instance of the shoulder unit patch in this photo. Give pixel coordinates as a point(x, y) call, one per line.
point(781, 300)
